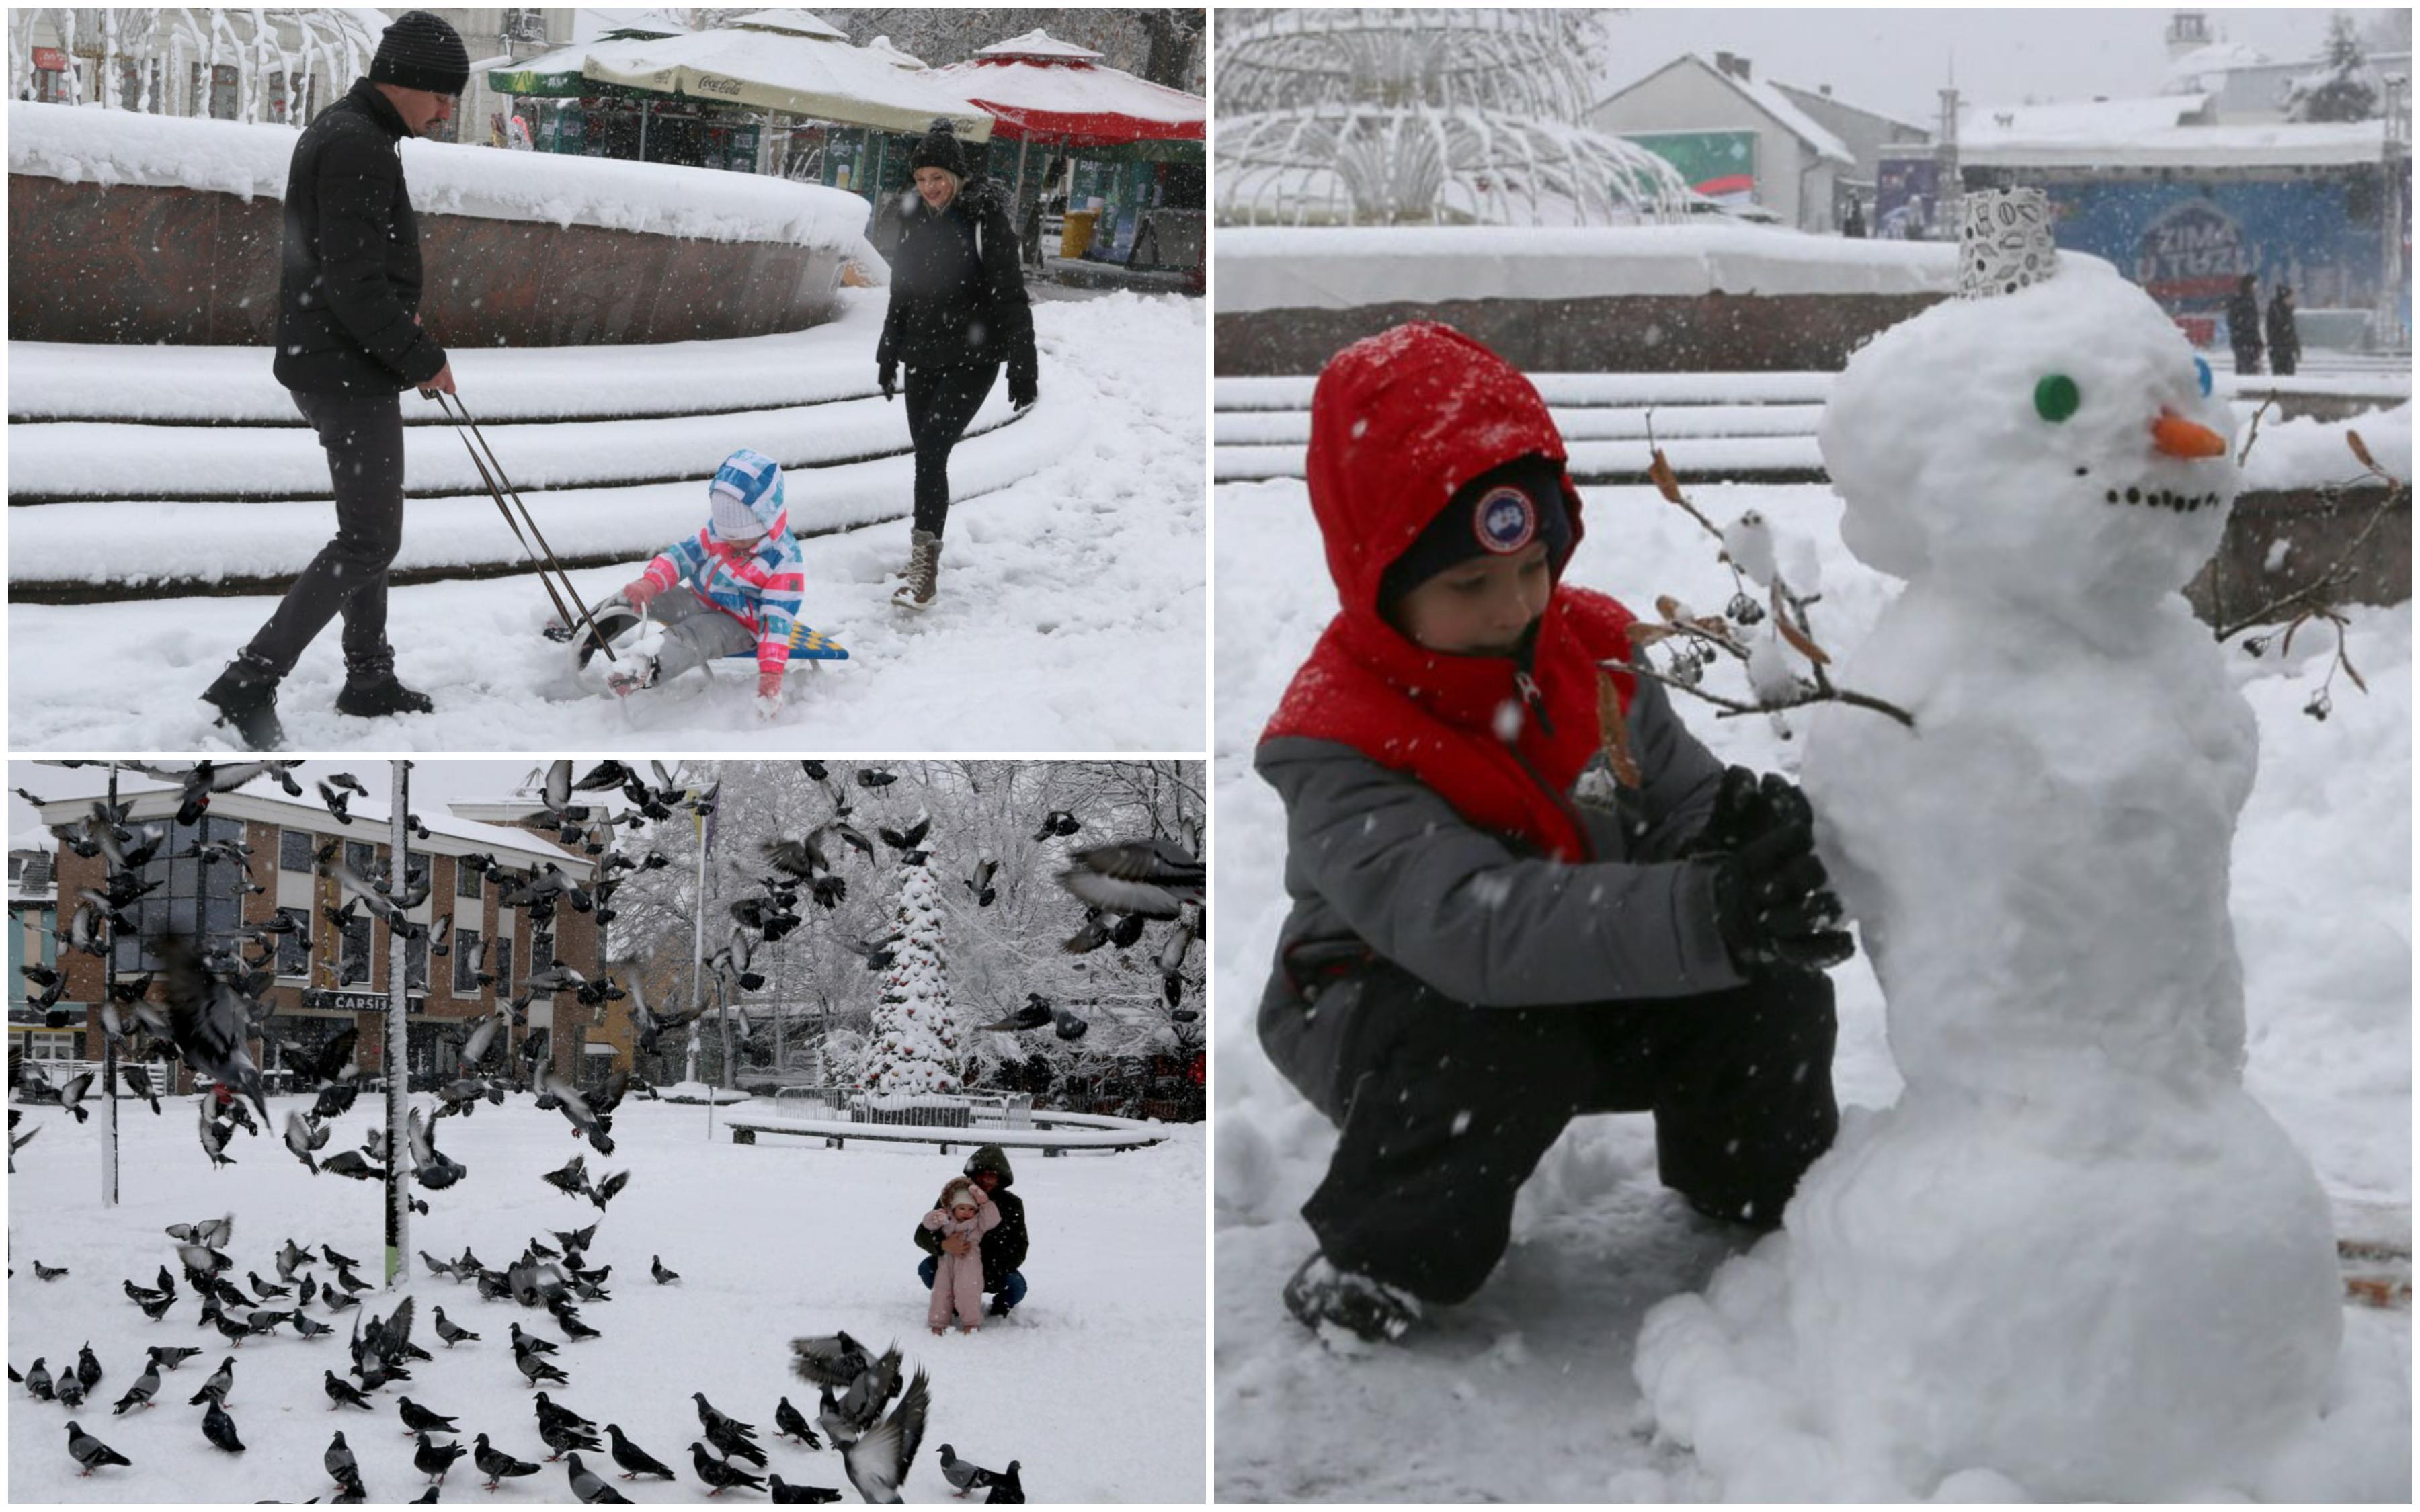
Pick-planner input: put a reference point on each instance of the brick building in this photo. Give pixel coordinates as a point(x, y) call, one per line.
point(327, 979)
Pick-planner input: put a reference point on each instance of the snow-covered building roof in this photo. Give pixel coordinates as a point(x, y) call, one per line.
point(2253, 145)
point(261, 799)
point(1983, 128)
point(1764, 97)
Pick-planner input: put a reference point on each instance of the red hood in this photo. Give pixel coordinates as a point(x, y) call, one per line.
point(1398, 423)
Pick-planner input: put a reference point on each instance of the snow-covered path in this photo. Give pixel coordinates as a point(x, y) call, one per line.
point(1096, 1384)
point(1072, 615)
point(1525, 1393)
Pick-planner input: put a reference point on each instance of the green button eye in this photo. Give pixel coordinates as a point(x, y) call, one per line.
point(2055, 397)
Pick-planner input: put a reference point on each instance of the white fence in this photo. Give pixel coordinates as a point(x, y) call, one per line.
point(974, 1110)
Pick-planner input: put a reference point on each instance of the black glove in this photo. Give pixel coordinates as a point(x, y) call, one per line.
point(1024, 386)
point(1745, 807)
point(888, 377)
point(1775, 904)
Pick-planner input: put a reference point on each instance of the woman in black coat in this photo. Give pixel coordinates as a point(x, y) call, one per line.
point(958, 310)
point(2243, 324)
point(2284, 342)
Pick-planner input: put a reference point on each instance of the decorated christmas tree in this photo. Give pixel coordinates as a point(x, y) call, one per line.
point(913, 1046)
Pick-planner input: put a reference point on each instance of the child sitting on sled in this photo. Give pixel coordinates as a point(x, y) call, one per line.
point(966, 1213)
point(733, 587)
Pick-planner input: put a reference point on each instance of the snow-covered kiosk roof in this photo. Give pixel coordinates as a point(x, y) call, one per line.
point(1042, 89)
point(785, 60)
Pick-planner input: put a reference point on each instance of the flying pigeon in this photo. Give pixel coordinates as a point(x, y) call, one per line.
point(208, 1020)
point(1154, 878)
point(877, 1462)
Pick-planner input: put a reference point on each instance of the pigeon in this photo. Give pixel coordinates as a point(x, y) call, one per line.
point(71, 1099)
point(718, 1473)
point(434, 1459)
point(354, 1163)
point(208, 1020)
point(635, 1461)
point(303, 1136)
point(963, 1474)
point(339, 1462)
point(592, 1488)
point(90, 1451)
point(784, 1491)
point(310, 1328)
point(567, 1319)
point(138, 1081)
point(577, 1239)
point(48, 1273)
point(70, 1390)
point(419, 1419)
point(528, 1343)
point(338, 1301)
point(37, 1382)
point(1033, 1015)
point(1093, 934)
point(154, 1305)
point(1007, 1487)
point(1057, 822)
point(341, 1394)
point(607, 1192)
point(877, 1462)
point(352, 1283)
point(215, 1389)
point(495, 1464)
point(789, 1422)
point(266, 1289)
point(1071, 1027)
point(572, 1179)
point(562, 1436)
point(537, 1370)
point(451, 1331)
point(342, 1262)
point(1152, 878)
point(139, 1394)
point(219, 1428)
point(431, 1168)
point(88, 1367)
point(655, 1265)
point(168, 1359)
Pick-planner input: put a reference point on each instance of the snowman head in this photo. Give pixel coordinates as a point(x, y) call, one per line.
point(2056, 444)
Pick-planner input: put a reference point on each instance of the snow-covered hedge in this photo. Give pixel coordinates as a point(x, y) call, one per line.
point(91, 145)
point(1264, 268)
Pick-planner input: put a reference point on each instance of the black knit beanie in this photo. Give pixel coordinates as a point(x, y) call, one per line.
point(421, 51)
point(939, 148)
point(1497, 513)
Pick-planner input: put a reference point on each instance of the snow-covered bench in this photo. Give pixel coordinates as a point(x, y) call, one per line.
point(1057, 1134)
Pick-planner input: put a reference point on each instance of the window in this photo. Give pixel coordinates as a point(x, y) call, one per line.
point(415, 964)
point(225, 88)
point(294, 950)
point(361, 855)
point(466, 963)
point(50, 1047)
point(541, 950)
point(353, 956)
point(295, 850)
point(468, 882)
point(194, 901)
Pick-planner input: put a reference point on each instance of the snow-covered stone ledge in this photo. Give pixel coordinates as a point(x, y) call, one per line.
point(1614, 298)
point(115, 218)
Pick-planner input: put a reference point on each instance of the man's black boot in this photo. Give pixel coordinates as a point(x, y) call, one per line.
point(245, 696)
point(372, 691)
point(1320, 1296)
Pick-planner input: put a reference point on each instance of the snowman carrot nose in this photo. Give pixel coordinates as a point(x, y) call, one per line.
point(2177, 436)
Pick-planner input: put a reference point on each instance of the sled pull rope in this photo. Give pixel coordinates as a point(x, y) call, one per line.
point(498, 484)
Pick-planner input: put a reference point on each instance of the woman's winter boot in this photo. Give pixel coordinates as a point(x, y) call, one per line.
point(371, 690)
point(924, 571)
point(245, 696)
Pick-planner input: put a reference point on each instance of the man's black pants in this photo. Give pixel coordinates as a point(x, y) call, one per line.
point(940, 403)
point(363, 435)
point(1444, 1109)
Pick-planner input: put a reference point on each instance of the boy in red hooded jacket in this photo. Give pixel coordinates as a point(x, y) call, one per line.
point(1476, 953)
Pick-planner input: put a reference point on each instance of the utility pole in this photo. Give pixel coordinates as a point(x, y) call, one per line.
point(108, 1037)
point(697, 957)
point(398, 1069)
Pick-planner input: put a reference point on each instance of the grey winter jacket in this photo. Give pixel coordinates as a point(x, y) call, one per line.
point(1380, 867)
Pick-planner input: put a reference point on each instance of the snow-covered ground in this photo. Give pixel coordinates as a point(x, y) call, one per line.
point(1073, 609)
point(1525, 1392)
point(1096, 1384)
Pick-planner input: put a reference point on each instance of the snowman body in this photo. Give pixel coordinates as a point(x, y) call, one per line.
point(2076, 1254)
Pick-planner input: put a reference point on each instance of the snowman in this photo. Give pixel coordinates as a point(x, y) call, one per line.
point(2076, 1260)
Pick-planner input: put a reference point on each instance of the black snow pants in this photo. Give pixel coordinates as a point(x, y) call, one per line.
point(940, 403)
point(1444, 1109)
point(363, 435)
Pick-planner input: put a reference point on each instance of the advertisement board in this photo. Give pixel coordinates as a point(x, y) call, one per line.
point(1718, 164)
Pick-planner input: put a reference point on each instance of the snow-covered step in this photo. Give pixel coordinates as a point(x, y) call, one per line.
point(76, 459)
point(126, 548)
point(233, 385)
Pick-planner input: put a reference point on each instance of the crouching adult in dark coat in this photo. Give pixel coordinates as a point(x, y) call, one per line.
point(958, 310)
point(348, 342)
point(1003, 1248)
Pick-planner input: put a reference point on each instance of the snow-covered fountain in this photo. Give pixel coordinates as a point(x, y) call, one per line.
point(1422, 117)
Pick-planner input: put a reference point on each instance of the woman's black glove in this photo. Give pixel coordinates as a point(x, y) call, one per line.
point(1775, 904)
point(887, 374)
point(1024, 385)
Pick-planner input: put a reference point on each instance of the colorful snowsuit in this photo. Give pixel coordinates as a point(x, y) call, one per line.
point(957, 1282)
point(757, 583)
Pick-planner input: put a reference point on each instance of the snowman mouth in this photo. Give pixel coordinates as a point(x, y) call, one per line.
point(2168, 498)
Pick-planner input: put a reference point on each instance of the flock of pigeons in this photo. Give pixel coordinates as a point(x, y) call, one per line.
point(211, 1009)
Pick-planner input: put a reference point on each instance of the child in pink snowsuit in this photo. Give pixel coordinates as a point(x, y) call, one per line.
point(967, 1213)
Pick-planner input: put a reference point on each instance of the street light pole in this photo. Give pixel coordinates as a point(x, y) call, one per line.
point(109, 1040)
point(398, 1071)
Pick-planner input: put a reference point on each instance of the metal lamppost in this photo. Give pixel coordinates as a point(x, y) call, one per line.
point(398, 1071)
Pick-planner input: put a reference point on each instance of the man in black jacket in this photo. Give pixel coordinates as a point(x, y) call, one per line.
point(348, 342)
point(1003, 1248)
